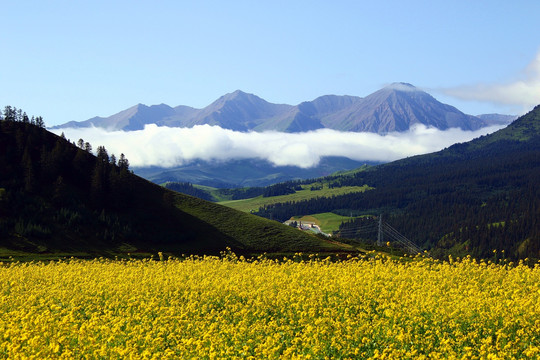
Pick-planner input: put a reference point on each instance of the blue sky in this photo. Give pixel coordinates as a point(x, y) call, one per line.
point(72, 60)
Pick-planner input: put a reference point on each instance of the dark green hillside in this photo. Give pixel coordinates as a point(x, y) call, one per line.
point(56, 197)
point(471, 198)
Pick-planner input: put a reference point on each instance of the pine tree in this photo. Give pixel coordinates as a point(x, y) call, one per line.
point(9, 113)
point(123, 162)
point(102, 154)
point(113, 160)
point(39, 122)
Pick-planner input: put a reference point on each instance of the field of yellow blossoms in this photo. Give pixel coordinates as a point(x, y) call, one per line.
point(229, 307)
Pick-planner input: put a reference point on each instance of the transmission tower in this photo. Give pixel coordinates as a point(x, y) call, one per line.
point(380, 232)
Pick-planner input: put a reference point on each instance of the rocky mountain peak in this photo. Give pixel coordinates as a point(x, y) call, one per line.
point(401, 86)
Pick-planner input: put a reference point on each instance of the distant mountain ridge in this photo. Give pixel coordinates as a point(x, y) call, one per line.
point(244, 173)
point(497, 119)
point(396, 107)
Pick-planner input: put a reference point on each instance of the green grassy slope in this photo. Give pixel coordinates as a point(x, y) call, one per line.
point(254, 204)
point(328, 222)
point(252, 232)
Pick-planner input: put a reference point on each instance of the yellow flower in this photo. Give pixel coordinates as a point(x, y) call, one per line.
point(230, 307)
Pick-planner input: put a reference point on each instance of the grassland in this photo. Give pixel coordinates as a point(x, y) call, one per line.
point(328, 222)
point(253, 204)
point(214, 192)
point(252, 233)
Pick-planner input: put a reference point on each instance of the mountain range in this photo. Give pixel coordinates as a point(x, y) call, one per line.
point(396, 107)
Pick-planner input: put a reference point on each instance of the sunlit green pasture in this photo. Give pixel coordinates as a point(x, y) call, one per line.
point(253, 204)
point(328, 222)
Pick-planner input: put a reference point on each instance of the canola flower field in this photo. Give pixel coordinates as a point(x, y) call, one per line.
point(228, 307)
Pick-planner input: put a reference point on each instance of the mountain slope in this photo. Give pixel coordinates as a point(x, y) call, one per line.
point(131, 119)
point(309, 115)
point(497, 119)
point(238, 111)
point(57, 198)
point(394, 108)
point(471, 198)
point(243, 173)
point(397, 107)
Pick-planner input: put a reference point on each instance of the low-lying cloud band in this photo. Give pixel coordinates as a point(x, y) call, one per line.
point(169, 147)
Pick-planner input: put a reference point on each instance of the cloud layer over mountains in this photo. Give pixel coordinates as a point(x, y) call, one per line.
point(169, 147)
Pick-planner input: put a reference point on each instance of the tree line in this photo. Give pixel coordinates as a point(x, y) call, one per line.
point(11, 113)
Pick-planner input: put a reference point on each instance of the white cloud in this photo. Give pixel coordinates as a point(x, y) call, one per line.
point(524, 92)
point(168, 147)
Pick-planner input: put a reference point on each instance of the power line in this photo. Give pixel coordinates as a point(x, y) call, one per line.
point(409, 245)
point(380, 233)
point(384, 230)
point(369, 228)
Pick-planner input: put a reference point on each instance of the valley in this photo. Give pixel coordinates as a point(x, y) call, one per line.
point(72, 201)
point(446, 201)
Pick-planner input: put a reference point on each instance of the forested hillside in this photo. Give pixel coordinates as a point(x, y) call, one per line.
point(472, 198)
point(57, 197)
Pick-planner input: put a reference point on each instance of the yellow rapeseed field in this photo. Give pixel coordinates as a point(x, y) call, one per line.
point(229, 307)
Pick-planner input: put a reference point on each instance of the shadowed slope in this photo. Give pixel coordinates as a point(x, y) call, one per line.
point(55, 197)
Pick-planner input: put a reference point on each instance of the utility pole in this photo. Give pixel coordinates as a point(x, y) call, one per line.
point(380, 233)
